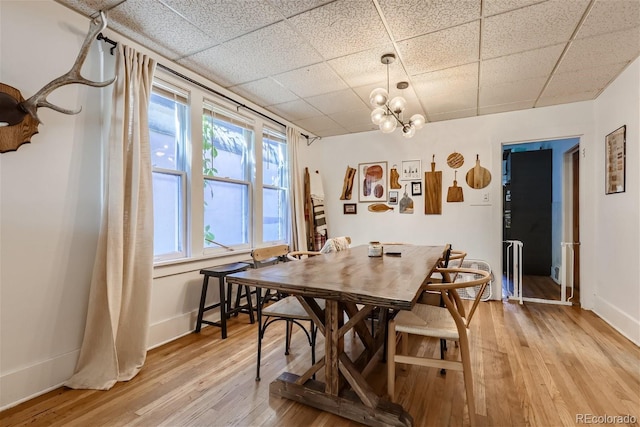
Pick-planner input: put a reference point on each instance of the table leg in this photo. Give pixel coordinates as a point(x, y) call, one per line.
point(360, 403)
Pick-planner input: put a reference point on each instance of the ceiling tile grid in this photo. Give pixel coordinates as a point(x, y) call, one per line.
point(411, 18)
point(224, 20)
point(314, 62)
point(342, 27)
point(443, 49)
point(531, 27)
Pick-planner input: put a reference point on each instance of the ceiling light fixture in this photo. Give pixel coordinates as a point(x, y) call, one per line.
point(389, 113)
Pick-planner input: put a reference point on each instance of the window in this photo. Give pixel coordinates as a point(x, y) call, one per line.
point(168, 138)
point(227, 147)
point(220, 174)
point(275, 179)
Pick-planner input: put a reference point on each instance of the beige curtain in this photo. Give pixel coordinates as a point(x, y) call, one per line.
point(298, 231)
point(115, 338)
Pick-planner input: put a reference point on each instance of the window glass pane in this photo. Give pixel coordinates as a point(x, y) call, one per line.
point(274, 163)
point(167, 236)
point(225, 149)
point(226, 213)
point(274, 225)
point(166, 131)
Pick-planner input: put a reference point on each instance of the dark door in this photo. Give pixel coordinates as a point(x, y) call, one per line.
point(531, 196)
point(576, 220)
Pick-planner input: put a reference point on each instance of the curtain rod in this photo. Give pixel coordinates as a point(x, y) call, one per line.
point(203, 86)
point(238, 103)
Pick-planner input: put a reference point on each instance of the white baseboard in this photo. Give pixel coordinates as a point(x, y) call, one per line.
point(618, 320)
point(24, 384)
point(30, 382)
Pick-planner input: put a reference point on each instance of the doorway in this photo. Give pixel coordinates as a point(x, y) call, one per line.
point(540, 220)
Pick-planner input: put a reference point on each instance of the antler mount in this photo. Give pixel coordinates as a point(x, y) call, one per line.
point(19, 117)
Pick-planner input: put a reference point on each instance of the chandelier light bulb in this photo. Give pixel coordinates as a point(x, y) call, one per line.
point(388, 124)
point(378, 97)
point(408, 130)
point(377, 115)
point(417, 120)
point(397, 104)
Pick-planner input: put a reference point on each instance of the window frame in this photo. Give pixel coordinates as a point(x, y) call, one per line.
point(194, 178)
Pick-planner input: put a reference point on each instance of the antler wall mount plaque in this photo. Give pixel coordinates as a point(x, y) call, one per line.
point(19, 117)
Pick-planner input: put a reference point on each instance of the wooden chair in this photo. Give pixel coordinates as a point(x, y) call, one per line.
point(285, 307)
point(450, 322)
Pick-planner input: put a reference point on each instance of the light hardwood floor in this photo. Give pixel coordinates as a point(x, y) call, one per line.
point(538, 365)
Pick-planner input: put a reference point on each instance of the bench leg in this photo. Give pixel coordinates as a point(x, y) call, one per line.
point(203, 298)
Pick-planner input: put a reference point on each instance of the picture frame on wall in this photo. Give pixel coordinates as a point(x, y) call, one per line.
point(372, 179)
point(411, 170)
point(393, 197)
point(615, 161)
point(416, 188)
point(350, 208)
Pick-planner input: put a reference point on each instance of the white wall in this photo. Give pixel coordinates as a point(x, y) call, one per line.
point(617, 237)
point(50, 202)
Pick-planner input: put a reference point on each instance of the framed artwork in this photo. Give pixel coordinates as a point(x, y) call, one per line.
point(416, 188)
point(411, 169)
point(393, 197)
point(350, 208)
point(372, 178)
point(615, 161)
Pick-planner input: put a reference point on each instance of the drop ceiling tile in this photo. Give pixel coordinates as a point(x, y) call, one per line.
point(531, 27)
point(365, 67)
point(611, 15)
point(293, 7)
point(312, 80)
point(342, 27)
point(225, 19)
point(493, 7)
point(344, 100)
point(508, 93)
point(264, 92)
point(156, 22)
point(359, 117)
point(454, 100)
point(295, 110)
point(464, 77)
point(566, 99)
point(451, 115)
point(587, 80)
point(410, 18)
point(331, 132)
point(600, 50)
point(319, 124)
point(442, 49)
point(503, 108)
point(90, 7)
point(276, 48)
point(520, 66)
point(353, 128)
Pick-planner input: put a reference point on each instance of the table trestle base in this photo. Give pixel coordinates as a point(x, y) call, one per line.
point(347, 405)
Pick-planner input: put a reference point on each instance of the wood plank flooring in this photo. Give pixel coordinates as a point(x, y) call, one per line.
point(534, 365)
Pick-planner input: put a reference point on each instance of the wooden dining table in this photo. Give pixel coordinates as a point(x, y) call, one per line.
point(354, 286)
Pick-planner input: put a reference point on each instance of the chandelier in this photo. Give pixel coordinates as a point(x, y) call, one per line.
point(388, 114)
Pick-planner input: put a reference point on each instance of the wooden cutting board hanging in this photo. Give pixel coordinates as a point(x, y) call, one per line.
point(433, 190)
point(455, 193)
point(379, 207)
point(478, 177)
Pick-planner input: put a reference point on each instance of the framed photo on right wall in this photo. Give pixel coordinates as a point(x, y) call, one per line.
point(615, 161)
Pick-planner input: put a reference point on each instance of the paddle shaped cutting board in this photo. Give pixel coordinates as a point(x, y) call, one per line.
point(478, 177)
point(433, 190)
point(455, 193)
